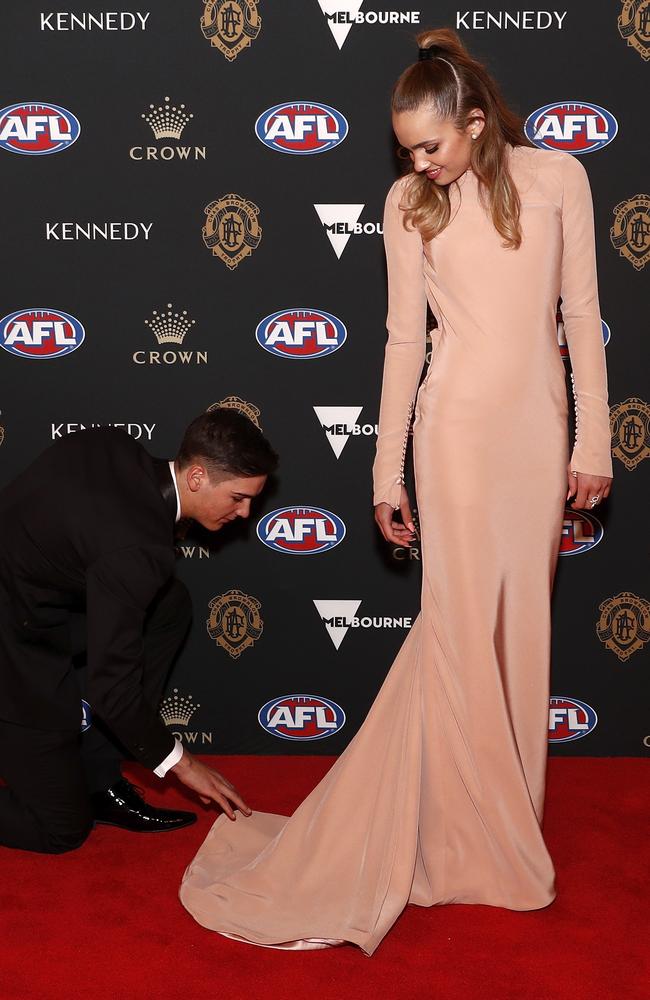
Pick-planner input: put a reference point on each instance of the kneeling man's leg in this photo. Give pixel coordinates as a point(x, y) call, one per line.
point(165, 628)
point(45, 805)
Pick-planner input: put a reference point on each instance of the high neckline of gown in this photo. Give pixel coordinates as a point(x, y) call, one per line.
point(460, 181)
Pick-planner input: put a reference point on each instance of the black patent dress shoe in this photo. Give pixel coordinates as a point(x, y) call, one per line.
point(122, 805)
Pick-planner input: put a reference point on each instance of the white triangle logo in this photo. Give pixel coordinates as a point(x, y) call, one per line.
point(331, 8)
point(337, 422)
point(331, 215)
point(333, 613)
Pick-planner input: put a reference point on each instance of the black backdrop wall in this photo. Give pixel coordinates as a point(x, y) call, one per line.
point(267, 124)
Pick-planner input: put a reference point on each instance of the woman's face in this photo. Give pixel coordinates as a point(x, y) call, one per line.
point(436, 147)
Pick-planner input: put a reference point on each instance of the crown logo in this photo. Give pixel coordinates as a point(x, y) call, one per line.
point(169, 327)
point(175, 710)
point(167, 122)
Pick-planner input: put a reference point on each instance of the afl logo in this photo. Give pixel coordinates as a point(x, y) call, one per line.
point(301, 531)
point(580, 532)
point(561, 336)
point(569, 719)
point(37, 129)
point(41, 333)
point(301, 128)
point(573, 127)
point(301, 333)
point(86, 716)
point(301, 717)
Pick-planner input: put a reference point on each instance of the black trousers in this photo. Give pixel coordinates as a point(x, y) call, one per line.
point(50, 775)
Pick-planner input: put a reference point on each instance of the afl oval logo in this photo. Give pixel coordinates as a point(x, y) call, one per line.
point(301, 531)
point(561, 337)
point(41, 333)
point(37, 129)
point(569, 719)
point(580, 532)
point(301, 334)
point(301, 717)
point(301, 128)
point(572, 127)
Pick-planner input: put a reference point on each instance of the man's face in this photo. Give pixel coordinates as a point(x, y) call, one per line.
point(214, 504)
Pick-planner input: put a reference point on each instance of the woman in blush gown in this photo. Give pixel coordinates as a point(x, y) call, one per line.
point(439, 797)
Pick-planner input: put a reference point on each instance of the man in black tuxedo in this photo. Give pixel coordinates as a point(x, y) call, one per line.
point(87, 538)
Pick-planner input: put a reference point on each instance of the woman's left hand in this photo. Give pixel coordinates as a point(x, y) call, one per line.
point(585, 488)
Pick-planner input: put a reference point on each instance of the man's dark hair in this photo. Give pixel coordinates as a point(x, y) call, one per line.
point(227, 441)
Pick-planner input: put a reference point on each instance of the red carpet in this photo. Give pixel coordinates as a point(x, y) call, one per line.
point(105, 922)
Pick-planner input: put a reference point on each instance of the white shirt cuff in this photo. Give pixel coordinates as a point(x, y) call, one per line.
point(171, 759)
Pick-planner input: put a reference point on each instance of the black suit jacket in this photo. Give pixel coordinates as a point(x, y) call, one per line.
point(89, 525)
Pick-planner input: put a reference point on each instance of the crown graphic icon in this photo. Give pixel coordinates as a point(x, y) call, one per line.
point(175, 710)
point(169, 327)
point(167, 121)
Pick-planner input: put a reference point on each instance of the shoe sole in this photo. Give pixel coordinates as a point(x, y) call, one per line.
point(159, 829)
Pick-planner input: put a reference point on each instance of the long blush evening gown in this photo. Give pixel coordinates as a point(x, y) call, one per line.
point(439, 797)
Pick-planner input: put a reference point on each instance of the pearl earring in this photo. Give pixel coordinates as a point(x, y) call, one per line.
point(474, 135)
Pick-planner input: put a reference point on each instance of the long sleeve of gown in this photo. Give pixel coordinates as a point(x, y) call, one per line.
point(405, 348)
point(582, 324)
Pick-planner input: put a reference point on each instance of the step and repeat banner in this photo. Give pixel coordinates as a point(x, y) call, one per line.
point(193, 195)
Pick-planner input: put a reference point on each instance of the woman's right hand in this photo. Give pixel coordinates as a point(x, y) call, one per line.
point(399, 533)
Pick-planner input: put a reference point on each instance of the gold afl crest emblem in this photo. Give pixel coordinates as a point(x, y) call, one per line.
point(634, 26)
point(230, 25)
point(234, 623)
point(231, 230)
point(235, 403)
point(630, 423)
point(630, 234)
point(624, 624)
